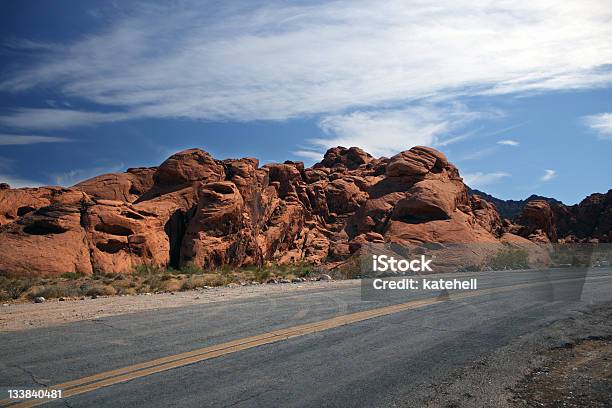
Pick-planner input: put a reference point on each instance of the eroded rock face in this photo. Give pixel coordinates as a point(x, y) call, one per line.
point(588, 221)
point(594, 217)
point(16, 203)
point(417, 161)
point(537, 222)
point(351, 158)
point(193, 208)
point(128, 186)
point(189, 166)
point(48, 240)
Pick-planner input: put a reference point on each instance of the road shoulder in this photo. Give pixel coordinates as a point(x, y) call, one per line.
point(532, 370)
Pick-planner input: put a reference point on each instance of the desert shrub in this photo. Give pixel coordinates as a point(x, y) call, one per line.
point(148, 269)
point(171, 285)
point(509, 258)
point(72, 275)
point(470, 268)
point(188, 284)
point(261, 274)
point(212, 279)
point(123, 290)
point(154, 281)
point(122, 283)
point(54, 291)
point(209, 279)
point(99, 290)
point(304, 269)
point(153, 275)
point(228, 278)
point(299, 269)
point(191, 268)
point(14, 288)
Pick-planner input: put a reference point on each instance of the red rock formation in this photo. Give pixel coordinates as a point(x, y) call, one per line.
point(47, 240)
point(588, 221)
point(193, 208)
point(537, 222)
point(128, 186)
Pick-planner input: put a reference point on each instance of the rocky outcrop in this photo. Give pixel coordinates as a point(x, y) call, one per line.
point(48, 239)
point(588, 221)
point(128, 186)
point(593, 218)
point(421, 199)
point(510, 209)
point(537, 222)
point(196, 209)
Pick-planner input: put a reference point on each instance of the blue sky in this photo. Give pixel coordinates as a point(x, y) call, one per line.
point(518, 95)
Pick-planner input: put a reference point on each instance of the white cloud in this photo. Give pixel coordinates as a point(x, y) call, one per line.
point(53, 119)
point(508, 142)
point(479, 179)
point(600, 123)
point(13, 140)
point(310, 155)
point(388, 131)
point(281, 60)
point(74, 176)
point(548, 175)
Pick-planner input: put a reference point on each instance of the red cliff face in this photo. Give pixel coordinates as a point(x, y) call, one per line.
point(194, 208)
point(588, 221)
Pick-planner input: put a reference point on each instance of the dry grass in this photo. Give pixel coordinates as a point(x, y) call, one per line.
point(145, 279)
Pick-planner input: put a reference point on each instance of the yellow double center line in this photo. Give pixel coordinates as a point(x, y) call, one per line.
point(107, 378)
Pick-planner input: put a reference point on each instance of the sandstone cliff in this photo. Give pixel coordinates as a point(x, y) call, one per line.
point(194, 208)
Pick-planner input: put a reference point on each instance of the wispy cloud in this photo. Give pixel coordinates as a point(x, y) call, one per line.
point(548, 175)
point(74, 176)
point(600, 123)
point(479, 179)
point(388, 131)
point(54, 119)
point(13, 140)
point(309, 155)
point(282, 60)
point(508, 142)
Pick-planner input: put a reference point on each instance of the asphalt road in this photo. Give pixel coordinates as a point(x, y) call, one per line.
point(379, 355)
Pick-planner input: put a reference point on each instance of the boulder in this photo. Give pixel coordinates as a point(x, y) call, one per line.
point(351, 158)
point(417, 161)
point(189, 166)
point(128, 186)
point(537, 221)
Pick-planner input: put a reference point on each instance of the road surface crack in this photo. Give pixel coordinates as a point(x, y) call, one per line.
point(248, 398)
point(66, 403)
point(104, 323)
point(32, 376)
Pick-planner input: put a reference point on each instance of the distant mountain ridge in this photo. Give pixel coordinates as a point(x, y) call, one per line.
point(511, 209)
